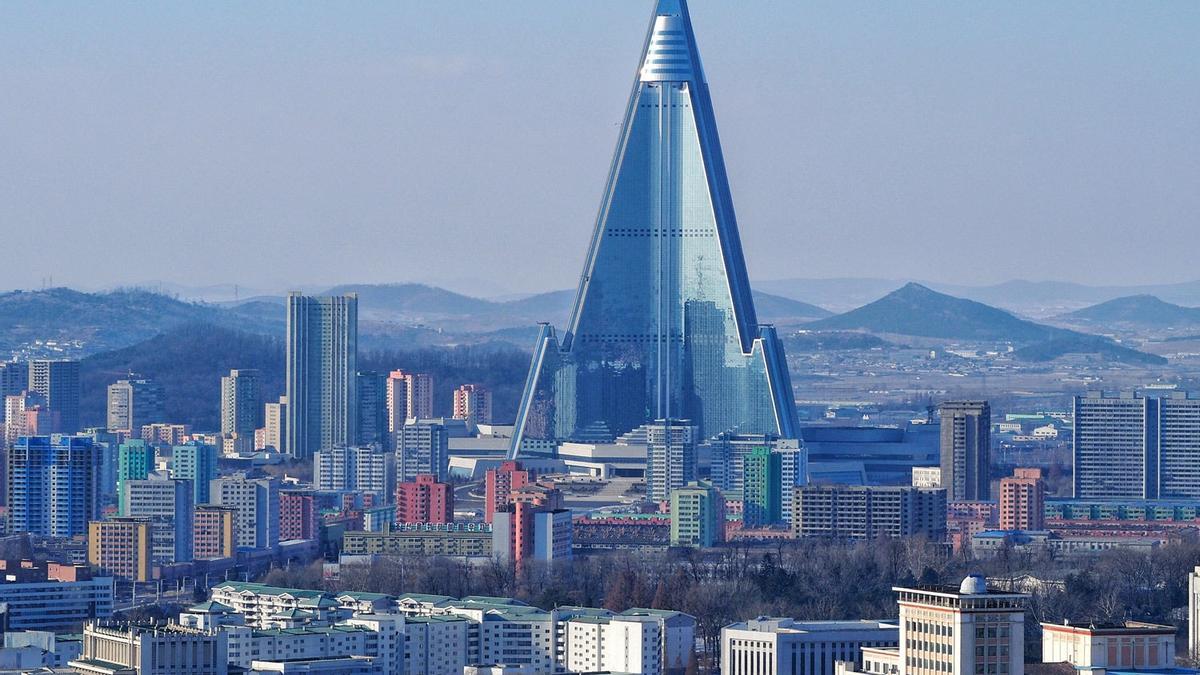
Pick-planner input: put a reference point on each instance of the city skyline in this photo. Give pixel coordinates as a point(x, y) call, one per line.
point(688, 473)
point(1022, 129)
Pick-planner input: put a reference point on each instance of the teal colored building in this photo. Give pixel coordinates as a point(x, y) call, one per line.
point(135, 461)
point(762, 487)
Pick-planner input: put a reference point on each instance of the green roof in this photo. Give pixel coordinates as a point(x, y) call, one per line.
point(362, 595)
point(318, 602)
point(263, 589)
point(212, 607)
point(505, 615)
point(494, 607)
point(440, 618)
point(312, 630)
point(292, 614)
point(491, 599)
point(425, 597)
point(645, 611)
point(104, 665)
point(591, 619)
point(584, 611)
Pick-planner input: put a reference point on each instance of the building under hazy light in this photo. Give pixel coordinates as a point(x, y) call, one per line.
point(241, 407)
point(133, 404)
point(322, 360)
point(1134, 446)
point(58, 384)
point(966, 450)
point(663, 324)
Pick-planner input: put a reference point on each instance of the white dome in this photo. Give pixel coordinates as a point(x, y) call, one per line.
point(974, 584)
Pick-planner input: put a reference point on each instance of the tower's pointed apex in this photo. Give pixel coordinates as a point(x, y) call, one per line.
point(670, 47)
point(664, 7)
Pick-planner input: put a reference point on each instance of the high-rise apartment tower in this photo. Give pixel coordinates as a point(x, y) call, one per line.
point(322, 360)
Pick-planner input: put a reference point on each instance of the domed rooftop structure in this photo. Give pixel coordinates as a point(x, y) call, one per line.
point(973, 584)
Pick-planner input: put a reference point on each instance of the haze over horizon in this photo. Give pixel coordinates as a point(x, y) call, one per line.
point(966, 144)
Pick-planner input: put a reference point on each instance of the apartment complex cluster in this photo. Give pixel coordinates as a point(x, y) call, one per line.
point(252, 628)
point(1133, 481)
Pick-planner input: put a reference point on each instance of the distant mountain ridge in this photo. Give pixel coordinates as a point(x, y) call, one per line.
point(1146, 311)
point(918, 311)
point(1040, 298)
point(414, 314)
point(107, 320)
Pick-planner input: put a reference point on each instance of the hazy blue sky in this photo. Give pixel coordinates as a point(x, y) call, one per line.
point(274, 144)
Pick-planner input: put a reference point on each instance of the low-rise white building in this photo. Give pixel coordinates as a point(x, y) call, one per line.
point(783, 646)
point(1045, 433)
point(1095, 648)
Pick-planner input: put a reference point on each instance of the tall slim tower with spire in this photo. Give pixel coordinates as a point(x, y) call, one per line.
point(663, 326)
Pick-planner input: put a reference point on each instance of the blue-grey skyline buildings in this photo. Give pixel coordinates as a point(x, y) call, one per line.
point(663, 325)
point(53, 485)
point(321, 378)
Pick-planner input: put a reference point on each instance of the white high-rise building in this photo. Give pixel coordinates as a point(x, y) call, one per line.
point(133, 404)
point(240, 404)
point(257, 504)
point(422, 447)
point(793, 473)
point(670, 457)
point(57, 382)
point(168, 504)
point(355, 469)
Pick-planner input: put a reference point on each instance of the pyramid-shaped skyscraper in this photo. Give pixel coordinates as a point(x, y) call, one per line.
point(663, 325)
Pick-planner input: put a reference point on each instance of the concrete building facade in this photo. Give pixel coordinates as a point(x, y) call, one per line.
point(866, 512)
point(783, 646)
point(966, 449)
point(322, 361)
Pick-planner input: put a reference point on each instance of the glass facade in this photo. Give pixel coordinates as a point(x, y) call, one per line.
point(663, 324)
